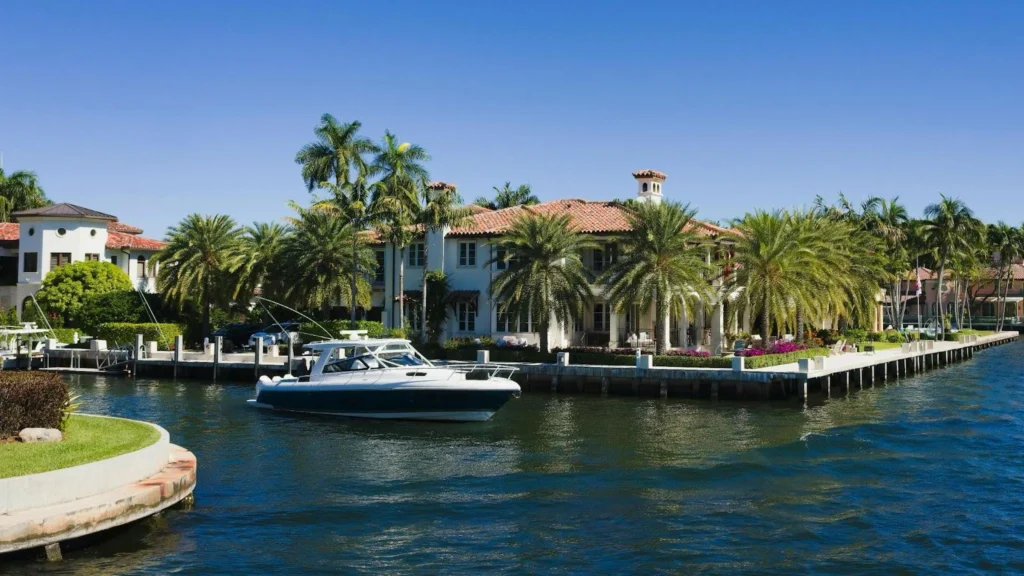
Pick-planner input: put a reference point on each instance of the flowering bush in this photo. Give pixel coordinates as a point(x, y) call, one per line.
point(750, 352)
point(785, 347)
point(691, 353)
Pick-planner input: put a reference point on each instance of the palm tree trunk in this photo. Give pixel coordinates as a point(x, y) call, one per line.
point(659, 325)
point(401, 289)
point(764, 322)
point(942, 312)
point(800, 324)
point(544, 325)
point(206, 311)
point(423, 292)
point(355, 271)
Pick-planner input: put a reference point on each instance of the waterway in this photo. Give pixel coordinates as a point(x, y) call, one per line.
point(921, 476)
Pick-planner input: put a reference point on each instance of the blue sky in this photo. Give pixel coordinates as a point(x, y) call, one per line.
point(154, 110)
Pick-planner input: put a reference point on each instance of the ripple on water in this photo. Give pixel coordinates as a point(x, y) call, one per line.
point(922, 476)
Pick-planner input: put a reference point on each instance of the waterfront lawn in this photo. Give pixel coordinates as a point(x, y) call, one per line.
point(86, 439)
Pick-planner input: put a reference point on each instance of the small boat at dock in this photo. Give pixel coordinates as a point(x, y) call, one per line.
point(388, 378)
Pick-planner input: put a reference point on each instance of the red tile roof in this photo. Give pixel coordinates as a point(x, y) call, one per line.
point(439, 185)
point(117, 236)
point(648, 173)
point(587, 216)
point(122, 227)
point(9, 231)
point(118, 240)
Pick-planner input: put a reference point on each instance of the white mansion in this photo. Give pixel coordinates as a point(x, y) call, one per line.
point(49, 237)
point(462, 253)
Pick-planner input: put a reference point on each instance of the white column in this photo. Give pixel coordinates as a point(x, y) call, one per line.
point(666, 329)
point(613, 328)
point(683, 321)
point(746, 316)
point(698, 323)
point(717, 320)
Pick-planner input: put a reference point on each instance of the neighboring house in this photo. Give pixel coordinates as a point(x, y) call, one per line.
point(463, 252)
point(52, 236)
point(984, 304)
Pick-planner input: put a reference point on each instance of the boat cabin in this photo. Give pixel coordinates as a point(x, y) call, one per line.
point(359, 355)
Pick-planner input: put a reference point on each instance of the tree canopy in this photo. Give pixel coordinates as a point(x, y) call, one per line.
point(65, 288)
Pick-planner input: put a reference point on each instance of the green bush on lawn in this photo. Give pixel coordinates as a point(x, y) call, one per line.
point(124, 333)
point(31, 400)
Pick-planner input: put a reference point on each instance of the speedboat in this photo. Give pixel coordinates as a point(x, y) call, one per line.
point(388, 378)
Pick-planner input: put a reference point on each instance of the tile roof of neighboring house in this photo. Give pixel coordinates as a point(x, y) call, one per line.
point(593, 217)
point(477, 209)
point(118, 240)
point(925, 274)
point(122, 227)
point(118, 236)
point(9, 231)
point(648, 173)
point(63, 209)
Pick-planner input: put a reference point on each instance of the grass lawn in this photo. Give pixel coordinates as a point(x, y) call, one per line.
point(85, 440)
point(882, 345)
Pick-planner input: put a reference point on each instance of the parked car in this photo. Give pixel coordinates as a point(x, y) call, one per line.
point(237, 333)
point(274, 334)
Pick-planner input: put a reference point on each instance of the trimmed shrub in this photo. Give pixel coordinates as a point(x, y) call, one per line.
point(777, 359)
point(124, 333)
point(31, 400)
point(690, 353)
point(117, 306)
point(893, 336)
point(875, 336)
point(66, 335)
point(310, 331)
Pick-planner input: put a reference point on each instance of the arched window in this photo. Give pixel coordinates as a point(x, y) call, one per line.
point(142, 266)
point(644, 188)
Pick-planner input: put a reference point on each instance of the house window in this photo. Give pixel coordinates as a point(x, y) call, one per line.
point(598, 260)
point(417, 254)
point(499, 258)
point(467, 253)
point(378, 275)
point(31, 262)
point(644, 187)
point(601, 319)
point(142, 266)
point(58, 259)
point(113, 260)
point(92, 257)
point(525, 323)
point(467, 316)
point(504, 321)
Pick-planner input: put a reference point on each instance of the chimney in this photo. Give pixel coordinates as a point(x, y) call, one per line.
point(648, 185)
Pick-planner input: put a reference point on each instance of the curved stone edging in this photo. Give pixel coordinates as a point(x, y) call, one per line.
point(85, 480)
point(124, 504)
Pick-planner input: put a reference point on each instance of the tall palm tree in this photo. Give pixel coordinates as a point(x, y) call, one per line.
point(545, 277)
point(950, 229)
point(889, 221)
point(20, 191)
point(508, 197)
point(351, 200)
point(661, 257)
point(261, 245)
point(337, 149)
point(201, 256)
point(779, 267)
point(396, 199)
point(442, 209)
point(317, 260)
point(1002, 240)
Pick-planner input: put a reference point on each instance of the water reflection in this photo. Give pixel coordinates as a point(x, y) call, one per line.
point(924, 474)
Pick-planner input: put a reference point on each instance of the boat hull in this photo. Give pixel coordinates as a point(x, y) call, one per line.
point(443, 404)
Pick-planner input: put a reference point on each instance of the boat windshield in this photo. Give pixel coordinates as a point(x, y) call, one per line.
point(367, 362)
point(402, 358)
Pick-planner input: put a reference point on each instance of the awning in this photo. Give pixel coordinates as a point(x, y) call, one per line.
point(457, 296)
point(995, 300)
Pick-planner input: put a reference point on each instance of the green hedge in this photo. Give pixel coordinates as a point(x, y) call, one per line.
point(124, 333)
point(766, 361)
point(31, 400)
point(311, 332)
point(66, 335)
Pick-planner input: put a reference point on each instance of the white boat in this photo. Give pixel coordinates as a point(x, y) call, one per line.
point(388, 378)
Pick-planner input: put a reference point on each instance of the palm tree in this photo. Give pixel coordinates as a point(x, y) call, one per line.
point(442, 209)
point(781, 264)
point(337, 149)
point(351, 200)
point(1003, 240)
point(396, 199)
point(317, 260)
point(889, 221)
point(661, 257)
point(20, 191)
point(950, 229)
point(508, 197)
point(261, 246)
point(545, 277)
point(201, 256)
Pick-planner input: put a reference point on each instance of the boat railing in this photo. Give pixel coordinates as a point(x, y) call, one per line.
point(488, 371)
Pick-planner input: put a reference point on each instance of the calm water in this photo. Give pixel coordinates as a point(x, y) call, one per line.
point(924, 476)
